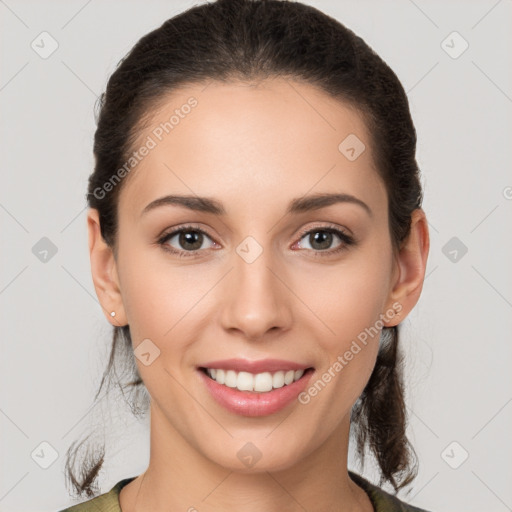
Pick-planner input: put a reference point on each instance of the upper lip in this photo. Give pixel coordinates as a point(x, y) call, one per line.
point(260, 366)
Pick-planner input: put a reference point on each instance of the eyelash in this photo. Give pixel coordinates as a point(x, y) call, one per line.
point(346, 240)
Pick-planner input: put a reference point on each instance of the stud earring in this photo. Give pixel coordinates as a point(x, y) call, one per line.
point(113, 313)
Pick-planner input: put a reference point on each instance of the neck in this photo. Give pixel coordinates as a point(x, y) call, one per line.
point(178, 477)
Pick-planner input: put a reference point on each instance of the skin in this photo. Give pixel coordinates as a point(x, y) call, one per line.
point(254, 147)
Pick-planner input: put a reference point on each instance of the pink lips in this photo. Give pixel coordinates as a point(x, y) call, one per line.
point(251, 403)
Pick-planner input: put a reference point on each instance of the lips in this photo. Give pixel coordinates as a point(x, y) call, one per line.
point(269, 399)
point(250, 403)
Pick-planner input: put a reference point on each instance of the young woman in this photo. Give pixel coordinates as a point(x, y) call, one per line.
point(256, 237)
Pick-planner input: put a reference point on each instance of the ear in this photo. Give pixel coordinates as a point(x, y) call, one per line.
point(104, 272)
point(411, 263)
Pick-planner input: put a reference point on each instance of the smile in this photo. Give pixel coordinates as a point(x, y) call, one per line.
point(260, 382)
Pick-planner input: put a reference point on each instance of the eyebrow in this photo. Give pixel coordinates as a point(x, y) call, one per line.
point(298, 205)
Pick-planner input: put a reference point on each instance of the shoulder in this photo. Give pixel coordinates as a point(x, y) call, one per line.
point(383, 501)
point(107, 502)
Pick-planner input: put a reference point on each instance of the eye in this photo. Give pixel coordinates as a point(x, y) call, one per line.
point(320, 240)
point(189, 240)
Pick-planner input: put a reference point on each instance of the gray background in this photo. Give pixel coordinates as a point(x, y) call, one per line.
point(55, 338)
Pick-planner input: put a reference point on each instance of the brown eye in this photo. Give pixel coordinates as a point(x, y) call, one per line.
point(190, 240)
point(186, 241)
point(321, 240)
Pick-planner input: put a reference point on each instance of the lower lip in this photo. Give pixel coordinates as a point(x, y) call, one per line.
point(252, 403)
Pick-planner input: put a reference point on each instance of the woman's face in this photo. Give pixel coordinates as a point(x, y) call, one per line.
point(276, 275)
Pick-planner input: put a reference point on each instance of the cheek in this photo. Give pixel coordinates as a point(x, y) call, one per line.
point(350, 298)
point(156, 294)
point(350, 303)
point(166, 304)
point(353, 316)
point(348, 352)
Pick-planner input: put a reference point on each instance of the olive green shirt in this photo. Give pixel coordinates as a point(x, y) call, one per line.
point(381, 500)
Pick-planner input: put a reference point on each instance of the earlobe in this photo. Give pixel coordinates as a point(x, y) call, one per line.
point(411, 261)
point(104, 272)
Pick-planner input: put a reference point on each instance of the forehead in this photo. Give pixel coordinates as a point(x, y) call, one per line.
point(249, 141)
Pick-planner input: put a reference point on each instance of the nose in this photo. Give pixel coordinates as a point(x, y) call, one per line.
point(256, 299)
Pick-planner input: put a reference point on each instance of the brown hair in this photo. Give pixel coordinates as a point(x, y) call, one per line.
point(255, 39)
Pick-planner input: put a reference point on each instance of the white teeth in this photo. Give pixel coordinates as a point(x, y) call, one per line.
point(278, 380)
point(298, 374)
point(288, 377)
point(261, 382)
point(244, 381)
point(218, 375)
point(230, 379)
